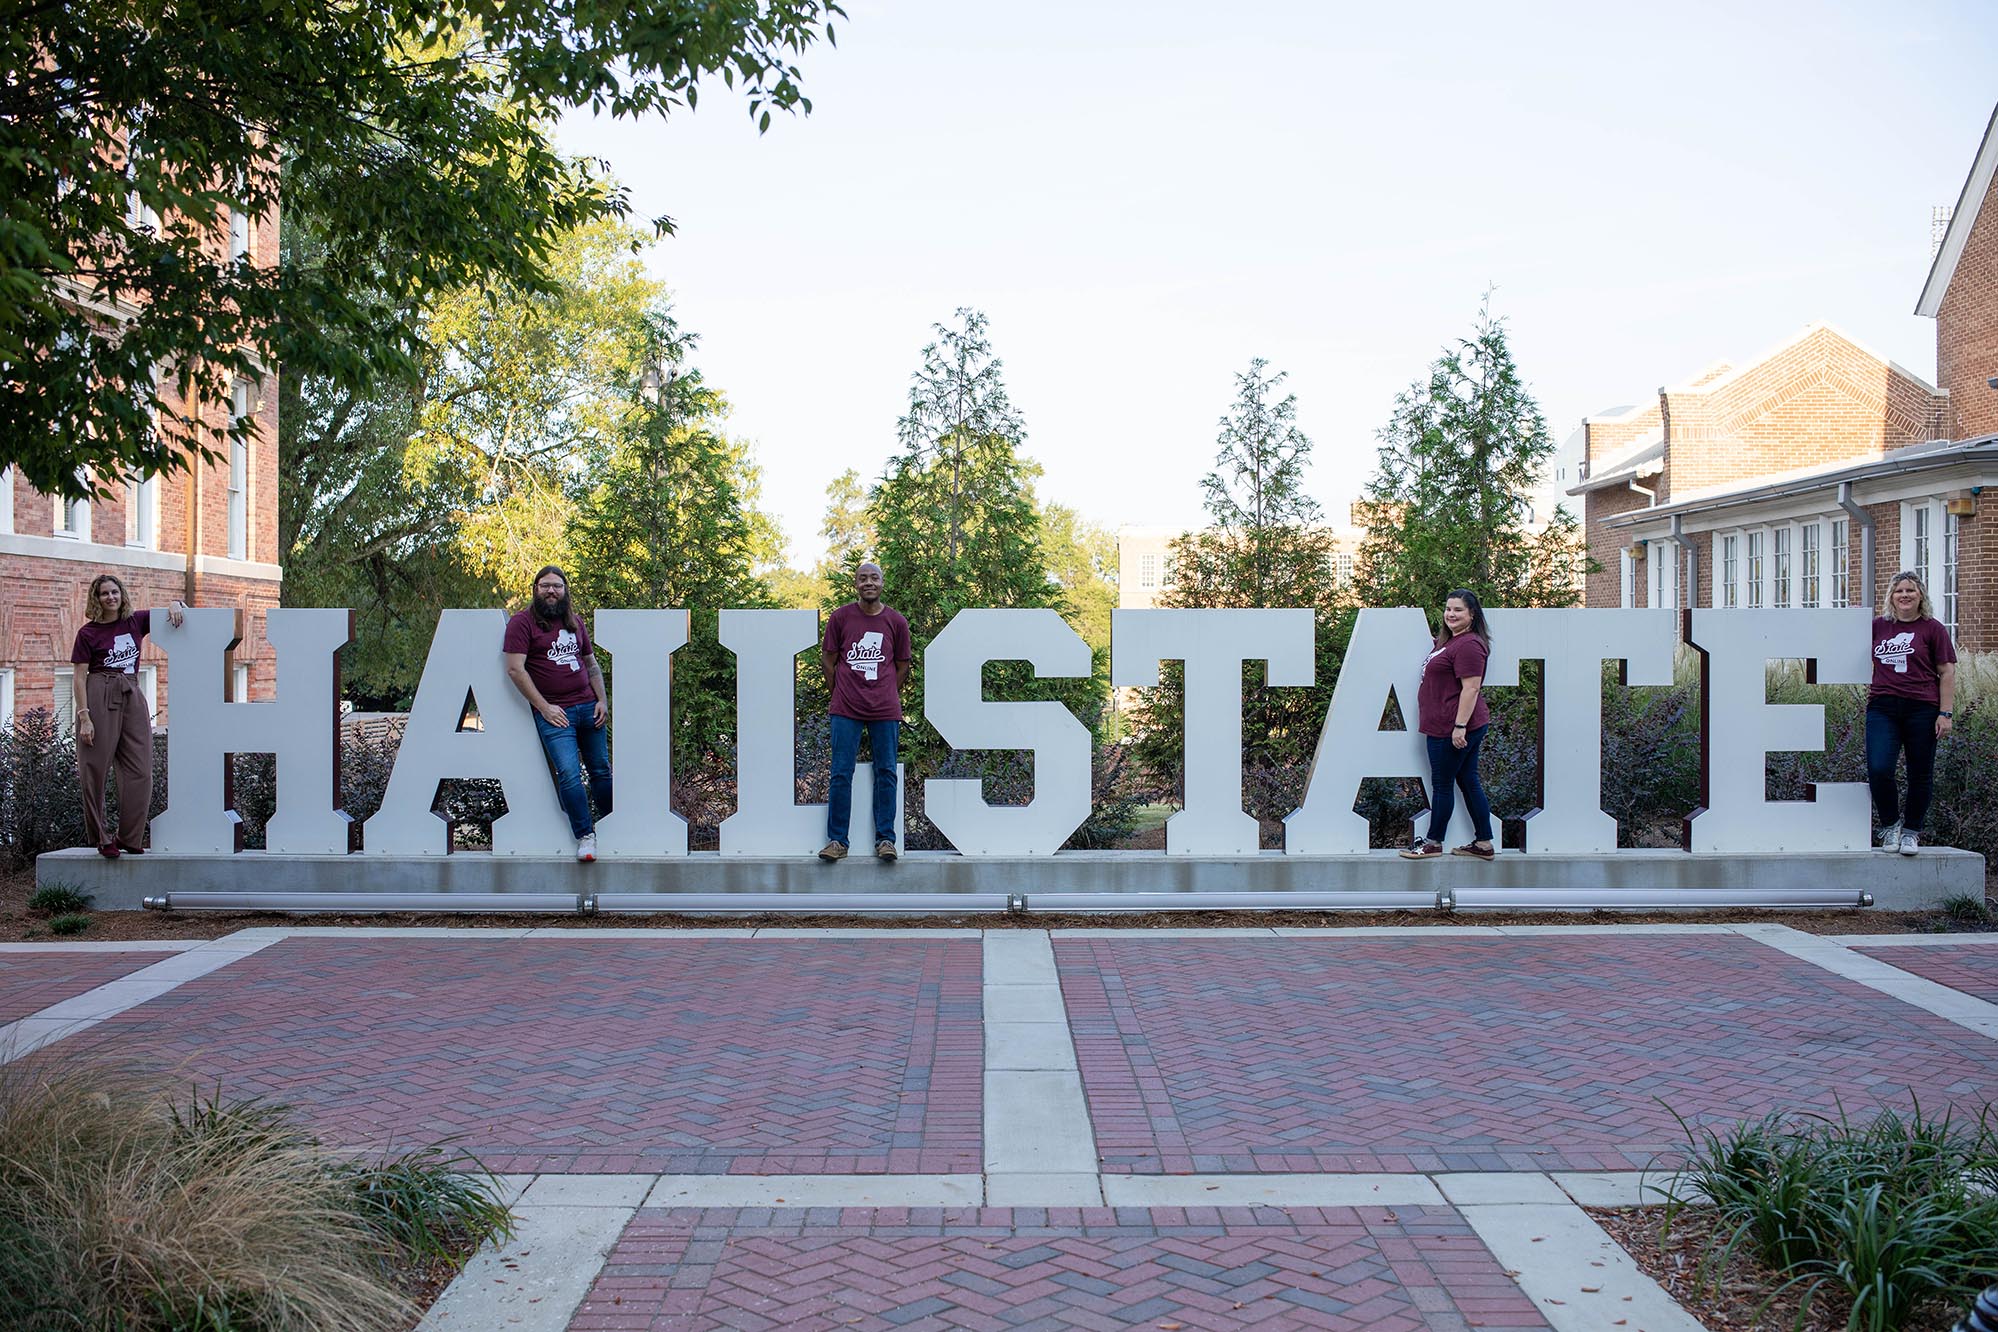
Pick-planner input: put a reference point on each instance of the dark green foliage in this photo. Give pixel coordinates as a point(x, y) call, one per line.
point(427, 1204)
point(75, 923)
point(57, 899)
point(41, 804)
point(1448, 506)
point(1895, 1217)
point(415, 137)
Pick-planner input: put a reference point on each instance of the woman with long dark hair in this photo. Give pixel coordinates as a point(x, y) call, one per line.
point(1909, 707)
point(114, 726)
point(1452, 716)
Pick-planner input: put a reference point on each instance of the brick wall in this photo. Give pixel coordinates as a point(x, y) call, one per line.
point(1605, 585)
point(1606, 438)
point(1967, 329)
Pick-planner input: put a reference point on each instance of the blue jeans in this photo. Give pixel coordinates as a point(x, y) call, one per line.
point(1893, 724)
point(570, 749)
point(1450, 767)
point(882, 736)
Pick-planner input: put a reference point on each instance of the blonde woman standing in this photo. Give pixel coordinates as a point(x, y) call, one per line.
point(114, 727)
point(1909, 707)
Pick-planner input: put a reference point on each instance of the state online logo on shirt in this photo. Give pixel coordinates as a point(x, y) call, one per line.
point(563, 650)
point(866, 655)
point(1895, 651)
point(124, 654)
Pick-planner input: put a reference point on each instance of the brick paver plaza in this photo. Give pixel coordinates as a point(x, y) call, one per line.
point(1451, 1075)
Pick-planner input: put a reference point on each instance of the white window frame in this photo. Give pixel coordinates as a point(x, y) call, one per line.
point(1841, 564)
point(1148, 572)
point(142, 512)
point(1661, 575)
point(6, 497)
point(65, 699)
point(6, 698)
point(1947, 601)
point(1626, 578)
point(1810, 564)
point(239, 226)
point(1755, 572)
point(1727, 565)
point(137, 214)
point(239, 475)
point(149, 685)
point(1918, 528)
point(1344, 569)
point(1782, 578)
point(239, 682)
point(70, 519)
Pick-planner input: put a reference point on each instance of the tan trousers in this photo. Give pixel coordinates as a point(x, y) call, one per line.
point(124, 740)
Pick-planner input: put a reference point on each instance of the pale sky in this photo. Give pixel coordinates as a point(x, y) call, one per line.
point(1142, 197)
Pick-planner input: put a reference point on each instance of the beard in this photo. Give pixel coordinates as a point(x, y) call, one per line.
point(555, 612)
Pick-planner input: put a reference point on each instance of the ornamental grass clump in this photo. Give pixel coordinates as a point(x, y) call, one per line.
point(1896, 1219)
point(125, 1205)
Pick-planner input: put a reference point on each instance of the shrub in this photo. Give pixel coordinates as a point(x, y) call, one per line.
point(41, 804)
point(123, 1205)
point(73, 923)
point(1897, 1216)
point(57, 899)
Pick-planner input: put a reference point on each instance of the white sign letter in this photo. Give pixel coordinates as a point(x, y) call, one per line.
point(1571, 645)
point(1213, 644)
point(1386, 655)
point(1740, 728)
point(954, 701)
point(300, 728)
point(643, 643)
point(465, 659)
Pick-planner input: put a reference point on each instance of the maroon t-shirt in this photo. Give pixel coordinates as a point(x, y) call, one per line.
point(866, 649)
point(113, 646)
point(557, 658)
point(1907, 654)
point(1443, 677)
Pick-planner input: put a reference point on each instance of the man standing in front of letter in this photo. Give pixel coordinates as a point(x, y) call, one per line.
point(551, 662)
point(866, 656)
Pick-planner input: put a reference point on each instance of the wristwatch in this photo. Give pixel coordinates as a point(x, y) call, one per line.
point(1946, 714)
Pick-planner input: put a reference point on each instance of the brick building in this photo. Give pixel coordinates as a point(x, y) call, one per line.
point(208, 536)
point(1811, 475)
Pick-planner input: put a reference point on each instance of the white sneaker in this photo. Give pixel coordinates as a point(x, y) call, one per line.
point(1890, 837)
point(1911, 842)
point(586, 847)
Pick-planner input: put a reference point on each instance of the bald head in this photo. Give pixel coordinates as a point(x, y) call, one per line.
point(867, 585)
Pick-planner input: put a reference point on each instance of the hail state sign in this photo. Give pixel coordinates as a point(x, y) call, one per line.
point(1739, 728)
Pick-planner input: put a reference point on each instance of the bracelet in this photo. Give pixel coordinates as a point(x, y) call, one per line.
point(1465, 726)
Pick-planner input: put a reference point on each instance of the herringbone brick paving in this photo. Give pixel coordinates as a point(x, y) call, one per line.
point(1406, 1269)
point(1545, 1052)
point(30, 982)
point(1973, 968)
point(798, 1056)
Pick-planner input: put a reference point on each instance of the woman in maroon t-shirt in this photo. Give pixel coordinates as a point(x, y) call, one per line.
point(114, 726)
point(1451, 714)
point(1908, 707)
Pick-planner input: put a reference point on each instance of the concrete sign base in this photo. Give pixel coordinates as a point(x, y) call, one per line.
point(928, 881)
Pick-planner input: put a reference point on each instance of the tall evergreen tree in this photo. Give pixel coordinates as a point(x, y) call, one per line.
point(1447, 507)
point(1266, 546)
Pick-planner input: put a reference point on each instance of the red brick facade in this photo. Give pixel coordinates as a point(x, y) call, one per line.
point(186, 555)
point(1967, 317)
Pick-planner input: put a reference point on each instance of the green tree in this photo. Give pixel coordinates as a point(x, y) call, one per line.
point(1082, 560)
point(1447, 507)
point(1265, 546)
point(413, 136)
point(954, 516)
point(848, 528)
point(668, 519)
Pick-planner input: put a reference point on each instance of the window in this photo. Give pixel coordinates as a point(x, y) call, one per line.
point(142, 512)
point(239, 682)
point(1345, 569)
point(1807, 561)
point(1779, 551)
point(65, 699)
point(137, 214)
point(1728, 592)
point(239, 477)
point(1841, 574)
point(1148, 571)
point(1946, 602)
point(1626, 578)
point(1661, 575)
point(1756, 540)
point(239, 226)
point(72, 518)
point(6, 497)
point(1919, 551)
point(6, 698)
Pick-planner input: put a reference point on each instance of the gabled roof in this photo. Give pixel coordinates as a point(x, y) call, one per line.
point(1960, 223)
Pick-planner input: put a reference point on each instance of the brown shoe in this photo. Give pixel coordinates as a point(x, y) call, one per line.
point(1424, 850)
point(832, 851)
point(884, 850)
point(1476, 852)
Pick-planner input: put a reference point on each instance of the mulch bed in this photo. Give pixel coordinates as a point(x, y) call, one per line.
point(1738, 1299)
